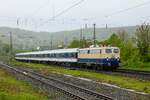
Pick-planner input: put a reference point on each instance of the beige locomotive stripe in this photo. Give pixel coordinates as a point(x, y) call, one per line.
point(98, 55)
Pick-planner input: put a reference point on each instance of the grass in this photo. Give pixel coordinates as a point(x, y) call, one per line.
point(137, 66)
point(13, 89)
point(125, 82)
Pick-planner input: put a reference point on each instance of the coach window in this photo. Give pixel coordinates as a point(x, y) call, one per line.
point(41, 55)
point(56, 55)
point(60, 55)
point(63, 55)
point(52, 55)
point(49, 55)
point(46, 55)
point(72, 55)
point(69, 55)
point(108, 50)
point(76, 55)
point(37, 55)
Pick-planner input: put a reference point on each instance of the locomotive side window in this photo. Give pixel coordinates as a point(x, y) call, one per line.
point(95, 51)
point(116, 51)
point(108, 50)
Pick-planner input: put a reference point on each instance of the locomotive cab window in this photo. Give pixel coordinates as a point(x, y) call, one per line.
point(108, 50)
point(116, 50)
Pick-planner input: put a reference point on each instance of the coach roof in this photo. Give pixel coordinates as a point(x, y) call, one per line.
point(50, 51)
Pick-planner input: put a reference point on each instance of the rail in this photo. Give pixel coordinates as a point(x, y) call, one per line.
point(66, 88)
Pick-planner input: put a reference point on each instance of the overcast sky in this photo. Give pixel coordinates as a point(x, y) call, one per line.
point(38, 15)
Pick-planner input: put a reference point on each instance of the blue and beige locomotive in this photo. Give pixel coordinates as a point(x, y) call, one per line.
point(105, 57)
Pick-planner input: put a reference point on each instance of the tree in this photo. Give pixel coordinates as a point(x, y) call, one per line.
point(113, 40)
point(4, 49)
point(122, 35)
point(143, 40)
point(74, 44)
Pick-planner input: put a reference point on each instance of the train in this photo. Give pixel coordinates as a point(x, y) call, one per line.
point(104, 57)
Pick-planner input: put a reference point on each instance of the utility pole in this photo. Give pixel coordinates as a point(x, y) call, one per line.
point(81, 38)
point(106, 26)
point(94, 36)
point(51, 43)
point(65, 41)
point(85, 30)
point(11, 46)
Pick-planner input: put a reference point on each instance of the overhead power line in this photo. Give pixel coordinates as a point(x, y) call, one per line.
point(127, 9)
point(64, 11)
point(37, 10)
point(67, 9)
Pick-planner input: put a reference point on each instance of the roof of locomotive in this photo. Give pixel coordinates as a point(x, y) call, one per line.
point(50, 51)
point(103, 47)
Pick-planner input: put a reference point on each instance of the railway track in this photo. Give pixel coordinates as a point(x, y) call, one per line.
point(134, 73)
point(71, 90)
point(145, 75)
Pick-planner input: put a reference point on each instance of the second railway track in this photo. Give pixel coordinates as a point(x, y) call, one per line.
point(134, 73)
point(145, 75)
point(75, 92)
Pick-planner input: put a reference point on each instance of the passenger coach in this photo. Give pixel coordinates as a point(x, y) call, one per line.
point(60, 55)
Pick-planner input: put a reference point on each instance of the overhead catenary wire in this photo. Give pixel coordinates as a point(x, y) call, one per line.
point(39, 8)
point(69, 8)
point(62, 12)
point(127, 9)
point(32, 14)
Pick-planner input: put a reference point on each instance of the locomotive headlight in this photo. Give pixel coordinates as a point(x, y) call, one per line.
point(107, 58)
point(118, 58)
